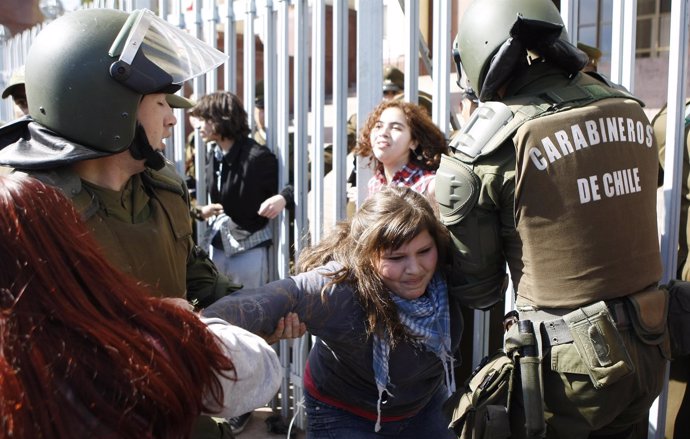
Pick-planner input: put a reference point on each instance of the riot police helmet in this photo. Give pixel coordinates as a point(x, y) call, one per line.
point(495, 32)
point(87, 71)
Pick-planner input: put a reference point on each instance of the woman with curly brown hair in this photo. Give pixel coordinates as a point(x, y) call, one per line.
point(87, 352)
point(404, 145)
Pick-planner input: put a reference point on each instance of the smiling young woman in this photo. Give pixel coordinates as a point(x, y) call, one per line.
point(404, 145)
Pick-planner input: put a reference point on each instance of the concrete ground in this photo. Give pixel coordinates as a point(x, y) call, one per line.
point(256, 428)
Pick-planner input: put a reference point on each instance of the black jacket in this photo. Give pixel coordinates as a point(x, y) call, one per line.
point(248, 175)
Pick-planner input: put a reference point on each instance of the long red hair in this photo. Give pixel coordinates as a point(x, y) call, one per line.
point(84, 350)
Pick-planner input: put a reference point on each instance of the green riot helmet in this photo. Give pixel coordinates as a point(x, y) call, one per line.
point(496, 33)
point(393, 80)
point(87, 71)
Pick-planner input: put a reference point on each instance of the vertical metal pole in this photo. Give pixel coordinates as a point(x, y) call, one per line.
point(300, 349)
point(270, 111)
point(318, 76)
point(269, 79)
point(210, 20)
point(200, 146)
point(300, 140)
point(570, 11)
point(175, 146)
point(369, 76)
point(673, 165)
point(412, 51)
point(249, 61)
point(441, 62)
point(282, 131)
point(230, 48)
point(340, 83)
point(629, 45)
point(623, 43)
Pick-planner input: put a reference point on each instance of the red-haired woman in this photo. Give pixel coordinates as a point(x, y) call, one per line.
point(86, 352)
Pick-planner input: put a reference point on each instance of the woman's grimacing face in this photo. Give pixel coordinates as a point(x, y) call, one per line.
point(406, 271)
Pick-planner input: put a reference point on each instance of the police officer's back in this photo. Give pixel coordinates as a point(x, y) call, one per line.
point(557, 177)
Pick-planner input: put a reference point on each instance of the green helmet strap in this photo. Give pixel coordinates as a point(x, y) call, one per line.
point(141, 149)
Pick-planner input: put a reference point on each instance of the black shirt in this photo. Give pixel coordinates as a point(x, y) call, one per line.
point(248, 176)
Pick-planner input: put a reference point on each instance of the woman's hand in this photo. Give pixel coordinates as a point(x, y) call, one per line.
point(211, 210)
point(287, 327)
point(272, 206)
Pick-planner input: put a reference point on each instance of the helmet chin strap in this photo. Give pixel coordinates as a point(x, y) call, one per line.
point(141, 149)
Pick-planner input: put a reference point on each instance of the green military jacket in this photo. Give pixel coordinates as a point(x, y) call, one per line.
point(145, 230)
point(567, 198)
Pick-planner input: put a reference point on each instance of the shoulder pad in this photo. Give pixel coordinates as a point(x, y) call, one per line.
point(456, 191)
point(497, 121)
point(485, 122)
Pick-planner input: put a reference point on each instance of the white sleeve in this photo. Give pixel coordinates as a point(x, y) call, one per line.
point(257, 367)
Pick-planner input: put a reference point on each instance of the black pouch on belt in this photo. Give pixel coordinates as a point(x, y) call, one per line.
point(648, 311)
point(679, 317)
point(599, 344)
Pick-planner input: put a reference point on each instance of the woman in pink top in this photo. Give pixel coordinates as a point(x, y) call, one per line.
point(404, 145)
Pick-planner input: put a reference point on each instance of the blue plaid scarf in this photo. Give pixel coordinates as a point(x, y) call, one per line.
point(428, 320)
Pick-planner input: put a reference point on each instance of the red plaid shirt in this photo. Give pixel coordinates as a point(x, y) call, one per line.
point(411, 175)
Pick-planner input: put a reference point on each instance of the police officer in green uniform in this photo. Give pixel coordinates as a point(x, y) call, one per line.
point(555, 174)
point(98, 84)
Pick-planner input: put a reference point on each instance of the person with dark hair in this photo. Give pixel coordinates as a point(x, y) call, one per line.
point(375, 293)
point(556, 179)
point(246, 174)
point(404, 145)
point(86, 351)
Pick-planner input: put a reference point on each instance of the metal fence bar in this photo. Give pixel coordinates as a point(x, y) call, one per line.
point(340, 87)
point(209, 15)
point(441, 64)
point(570, 11)
point(300, 76)
point(623, 43)
point(282, 131)
point(318, 101)
point(229, 47)
point(411, 10)
point(369, 76)
point(173, 151)
point(249, 60)
point(300, 349)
